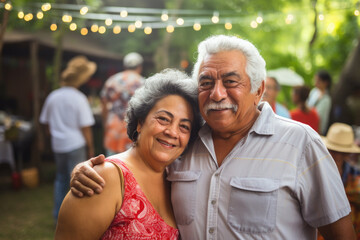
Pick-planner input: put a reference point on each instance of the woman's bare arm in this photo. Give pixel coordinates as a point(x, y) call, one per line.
point(89, 217)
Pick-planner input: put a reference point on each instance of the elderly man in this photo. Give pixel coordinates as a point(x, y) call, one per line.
point(250, 174)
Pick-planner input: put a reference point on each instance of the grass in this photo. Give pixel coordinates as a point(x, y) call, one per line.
point(27, 213)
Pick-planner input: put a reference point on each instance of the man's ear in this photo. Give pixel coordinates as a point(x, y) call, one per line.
point(259, 93)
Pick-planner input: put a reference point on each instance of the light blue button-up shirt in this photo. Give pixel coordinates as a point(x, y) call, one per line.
point(279, 182)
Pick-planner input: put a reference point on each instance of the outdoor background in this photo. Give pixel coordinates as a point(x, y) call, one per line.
point(37, 40)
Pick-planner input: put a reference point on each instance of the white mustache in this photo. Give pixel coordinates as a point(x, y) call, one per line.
point(219, 106)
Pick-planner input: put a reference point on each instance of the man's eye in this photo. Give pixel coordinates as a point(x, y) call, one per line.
point(206, 84)
point(230, 83)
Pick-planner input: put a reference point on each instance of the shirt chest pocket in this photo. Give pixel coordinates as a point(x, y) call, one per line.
point(252, 205)
point(183, 195)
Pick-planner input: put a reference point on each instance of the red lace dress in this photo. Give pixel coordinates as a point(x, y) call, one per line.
point(137, 219)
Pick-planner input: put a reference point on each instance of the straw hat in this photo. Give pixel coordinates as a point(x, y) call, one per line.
point(133, 60)
point(340, 138)
point(78, 71)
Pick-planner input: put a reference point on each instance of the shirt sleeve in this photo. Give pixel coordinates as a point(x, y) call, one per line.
point(320, 190)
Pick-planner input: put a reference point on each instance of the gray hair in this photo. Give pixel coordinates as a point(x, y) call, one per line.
point(167, 82)
point(255, 66)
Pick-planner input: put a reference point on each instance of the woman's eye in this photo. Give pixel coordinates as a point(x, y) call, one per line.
point(185, 127)
point(163, 120)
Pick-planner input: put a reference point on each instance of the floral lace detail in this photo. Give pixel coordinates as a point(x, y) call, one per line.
point(137, 218)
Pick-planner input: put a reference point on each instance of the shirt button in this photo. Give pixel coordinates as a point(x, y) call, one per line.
point(211, 230)
point(213, 202)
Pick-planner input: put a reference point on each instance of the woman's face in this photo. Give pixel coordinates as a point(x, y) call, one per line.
point(166, 130)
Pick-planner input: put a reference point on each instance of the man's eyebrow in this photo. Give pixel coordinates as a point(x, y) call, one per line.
point(229, 74)
point(204, 76)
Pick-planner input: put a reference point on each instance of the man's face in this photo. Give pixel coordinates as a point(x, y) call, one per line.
point(225, 100)
point(271, 91)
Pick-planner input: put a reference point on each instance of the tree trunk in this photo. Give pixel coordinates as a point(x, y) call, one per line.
point(348, 86)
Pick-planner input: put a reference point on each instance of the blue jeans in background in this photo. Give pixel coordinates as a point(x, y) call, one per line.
point(65, 162)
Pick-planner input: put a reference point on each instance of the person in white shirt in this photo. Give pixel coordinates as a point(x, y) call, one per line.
point(68, 118)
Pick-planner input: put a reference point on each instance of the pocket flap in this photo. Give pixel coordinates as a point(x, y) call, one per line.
point(183, 176)
point(255, 184)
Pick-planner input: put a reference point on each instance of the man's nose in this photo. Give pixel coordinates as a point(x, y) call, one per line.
point(219, 92)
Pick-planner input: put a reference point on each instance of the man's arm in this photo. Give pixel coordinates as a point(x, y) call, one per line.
point(339, 230)
point(85, 180)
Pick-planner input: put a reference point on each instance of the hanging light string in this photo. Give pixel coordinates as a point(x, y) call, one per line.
point(83, 17)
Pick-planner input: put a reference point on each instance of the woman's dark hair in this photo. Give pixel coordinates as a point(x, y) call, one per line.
point(167, 82)
point(325, 77)
point(302, 92)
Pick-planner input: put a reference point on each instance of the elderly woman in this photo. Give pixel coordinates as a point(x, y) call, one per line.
point(162, 117)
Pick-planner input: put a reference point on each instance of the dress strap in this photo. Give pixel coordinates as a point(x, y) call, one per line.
point(121, 175)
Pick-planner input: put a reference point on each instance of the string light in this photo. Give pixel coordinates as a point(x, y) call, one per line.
point(116, 29)
point(84, 10)
point(102, 29)
point(84, 31)
point(28, 17)
point(228, 26)
point(40, 15)
point(8, 6)
point(259, 19)
point(321, 17)
point(21, 15)
point(53, 27)
point(179, 21)
point(94, 28)
point(108, 21)
point(164, 16)
point(197, 26)
point(66, 18)
point(356, 12)
point(131, 28)
point(253, 24)
point(215, 17)
point(73, 26)
point(123, 13)
point(147, 30)
point(170, 28)
point(138, 24)
point(46, 7)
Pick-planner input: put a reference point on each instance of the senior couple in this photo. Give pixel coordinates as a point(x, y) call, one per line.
point(246, 174)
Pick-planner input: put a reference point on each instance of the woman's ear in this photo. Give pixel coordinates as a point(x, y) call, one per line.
point(138, 127)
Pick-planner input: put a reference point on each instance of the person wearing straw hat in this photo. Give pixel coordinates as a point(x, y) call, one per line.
point(115, 95)
point(341, 144)
point(68, 118)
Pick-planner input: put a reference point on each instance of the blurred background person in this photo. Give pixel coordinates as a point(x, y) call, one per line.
point(303, 113)
point(341, 144)
point(320, 98)
point(115, 95)
point(68, 118)
point(272, 89)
